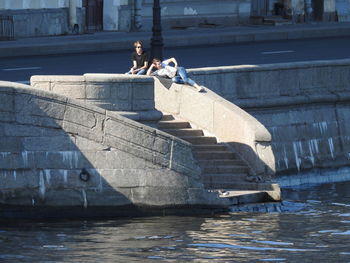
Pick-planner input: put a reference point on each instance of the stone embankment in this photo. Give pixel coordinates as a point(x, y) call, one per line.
point(102, 90)
point(66, 158)
point(304, 105)
point(210, 112)
point(52, 140)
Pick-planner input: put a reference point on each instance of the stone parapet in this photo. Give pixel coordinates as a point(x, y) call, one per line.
point(246, 82)
point(114, 92)
point(303, 104)
point(217, 116)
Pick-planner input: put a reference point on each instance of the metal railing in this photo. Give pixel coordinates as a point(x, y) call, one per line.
point(6, 28)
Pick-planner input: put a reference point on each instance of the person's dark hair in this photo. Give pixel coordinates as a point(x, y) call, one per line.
point(155, 60)
point(138, 42)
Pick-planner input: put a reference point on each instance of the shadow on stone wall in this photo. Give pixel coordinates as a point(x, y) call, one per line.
point(260, 170)
point(222, 119)
point(304, 105)
point(62, 158)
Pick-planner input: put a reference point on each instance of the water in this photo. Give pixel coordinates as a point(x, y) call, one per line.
point(315, 226)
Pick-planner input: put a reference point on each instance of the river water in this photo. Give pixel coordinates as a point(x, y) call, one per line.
point(313, 227)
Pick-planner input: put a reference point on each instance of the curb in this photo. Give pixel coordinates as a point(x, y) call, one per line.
point(188, 38)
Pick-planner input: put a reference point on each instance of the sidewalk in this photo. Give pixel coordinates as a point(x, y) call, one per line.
point(114, 41)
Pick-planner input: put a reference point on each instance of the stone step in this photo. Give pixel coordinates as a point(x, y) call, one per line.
point(227, 183)
point(229, 177)
point(223, 180)
point(199, 139)
point(167, 117)
point(217, 155)
point(173, 125)
point(209, 148)
point(224, 169)
point(221, 162)
point(153, 124)
point(184, 132)
point(237, 197)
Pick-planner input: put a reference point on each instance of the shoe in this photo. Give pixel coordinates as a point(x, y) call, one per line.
point(201, 89)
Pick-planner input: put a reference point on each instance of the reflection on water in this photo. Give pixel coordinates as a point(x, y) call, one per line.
point(314, 227)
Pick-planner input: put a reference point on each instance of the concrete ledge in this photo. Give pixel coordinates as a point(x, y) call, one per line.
point(248, 197)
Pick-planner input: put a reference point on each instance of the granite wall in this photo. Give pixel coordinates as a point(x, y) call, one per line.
point(61, 157)
point(304, 105)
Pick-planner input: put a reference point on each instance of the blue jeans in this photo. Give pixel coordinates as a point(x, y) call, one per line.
point(140, 72)
point(182, 77)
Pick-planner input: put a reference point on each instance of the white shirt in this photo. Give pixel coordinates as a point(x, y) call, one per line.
point(166, 71)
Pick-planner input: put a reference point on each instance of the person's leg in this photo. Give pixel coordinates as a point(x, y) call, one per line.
point(181, 71)
point(178, 80)
point(141, 72)
point(183, 74)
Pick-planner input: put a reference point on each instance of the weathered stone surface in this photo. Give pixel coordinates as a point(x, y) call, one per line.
point(28, 130)
point(109, 91)
point(72, 90)
point(140, 104)
point(11, 144)
point(52, 143)
point(120, 92)
point(116, 159)
point(84, 144)
point(143, 92)
point(221, 118)
point(98, 91)
point(7, 102)
point(62, 152)
point(7, 116)
point(175, 196)
point(304, 105)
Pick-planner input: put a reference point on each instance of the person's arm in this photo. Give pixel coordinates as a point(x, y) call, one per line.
point(145, 65)
point(149, 71)
point(134, 67)
point(173, 60)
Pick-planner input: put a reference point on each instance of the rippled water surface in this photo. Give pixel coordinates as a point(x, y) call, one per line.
point(315, 227)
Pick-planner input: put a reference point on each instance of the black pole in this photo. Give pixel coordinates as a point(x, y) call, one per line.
point(156, 40)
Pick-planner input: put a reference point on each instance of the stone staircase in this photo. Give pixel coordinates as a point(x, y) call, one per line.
point(222, 170)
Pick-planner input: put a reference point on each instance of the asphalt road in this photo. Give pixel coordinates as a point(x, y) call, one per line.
point(21, 69)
